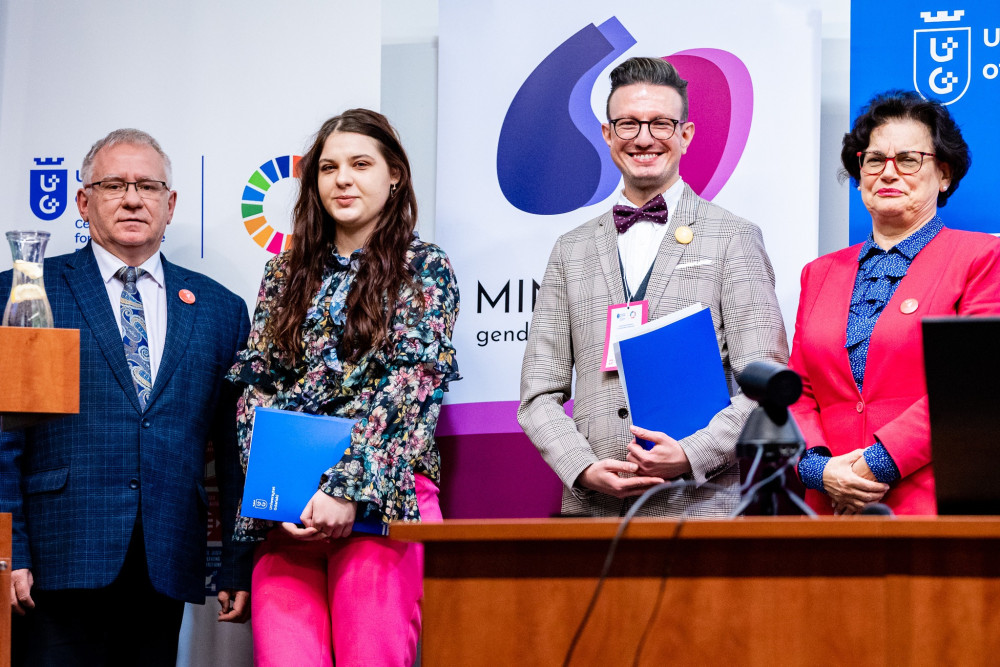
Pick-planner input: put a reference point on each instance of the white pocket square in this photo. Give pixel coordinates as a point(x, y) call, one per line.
point(700, 262)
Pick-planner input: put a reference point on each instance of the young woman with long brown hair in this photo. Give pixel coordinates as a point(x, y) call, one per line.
point(354, 320)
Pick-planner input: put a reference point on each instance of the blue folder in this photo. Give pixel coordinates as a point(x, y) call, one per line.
point(672, 374)
point(289, 452)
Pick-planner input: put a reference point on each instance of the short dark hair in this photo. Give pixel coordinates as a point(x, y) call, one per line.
point(653, 71)
point(949, 146)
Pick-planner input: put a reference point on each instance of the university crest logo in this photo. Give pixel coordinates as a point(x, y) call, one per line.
point(48, 188)
point(942, 57)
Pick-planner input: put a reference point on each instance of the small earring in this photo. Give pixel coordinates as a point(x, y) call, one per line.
point(392, 189)
point(859, 187)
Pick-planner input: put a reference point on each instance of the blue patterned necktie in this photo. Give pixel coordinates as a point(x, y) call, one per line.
point(134, 335)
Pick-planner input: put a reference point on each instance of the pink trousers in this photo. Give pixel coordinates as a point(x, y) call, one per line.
point(355, 600)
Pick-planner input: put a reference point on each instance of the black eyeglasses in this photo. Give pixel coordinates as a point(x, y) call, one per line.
point(659, 128)
point(908, 162)
point(114, 188)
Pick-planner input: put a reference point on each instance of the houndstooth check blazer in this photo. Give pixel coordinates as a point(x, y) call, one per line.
point(725, 268)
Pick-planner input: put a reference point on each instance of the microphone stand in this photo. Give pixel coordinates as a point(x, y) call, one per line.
point(773, 439)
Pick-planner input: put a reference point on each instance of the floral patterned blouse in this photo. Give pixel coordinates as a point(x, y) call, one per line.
point(395, 393)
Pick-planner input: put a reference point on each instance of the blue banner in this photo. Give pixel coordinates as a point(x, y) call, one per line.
point(950, 55)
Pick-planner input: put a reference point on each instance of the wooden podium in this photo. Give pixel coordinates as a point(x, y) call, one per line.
point(41, 375)
point(751, 591)
point(39, 380)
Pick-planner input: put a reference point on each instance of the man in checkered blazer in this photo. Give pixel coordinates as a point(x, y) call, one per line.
point(693, 251)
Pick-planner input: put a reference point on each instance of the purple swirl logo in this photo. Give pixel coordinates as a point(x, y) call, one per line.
point(551, 157)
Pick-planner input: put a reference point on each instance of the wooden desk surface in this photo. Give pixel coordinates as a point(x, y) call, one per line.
point(465, 530)
point(754, 591)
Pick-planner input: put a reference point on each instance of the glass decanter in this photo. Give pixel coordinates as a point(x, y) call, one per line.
point(28, 306)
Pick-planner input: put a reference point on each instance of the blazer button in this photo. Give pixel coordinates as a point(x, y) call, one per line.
point(623, 412)
point(860, 406)
point(146, 423)
point(133, 483)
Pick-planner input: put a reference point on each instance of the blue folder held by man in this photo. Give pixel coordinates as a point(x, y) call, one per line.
point(672, 374)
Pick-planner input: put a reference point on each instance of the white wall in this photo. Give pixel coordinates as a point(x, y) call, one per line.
point(835, 120)
point(409, 93)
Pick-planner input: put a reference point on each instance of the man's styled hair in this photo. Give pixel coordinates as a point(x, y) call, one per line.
point(130, 137)
point(652, 71)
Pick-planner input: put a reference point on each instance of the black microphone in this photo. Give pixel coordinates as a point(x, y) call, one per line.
point(770, 435)
point(877, 509)
point(770, 384)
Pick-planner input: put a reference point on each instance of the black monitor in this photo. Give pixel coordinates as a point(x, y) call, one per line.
point(962, 363)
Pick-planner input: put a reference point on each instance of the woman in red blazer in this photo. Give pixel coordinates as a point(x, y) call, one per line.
point(858, 343)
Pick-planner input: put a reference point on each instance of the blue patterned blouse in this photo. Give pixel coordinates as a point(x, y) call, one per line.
point(879, 274)
point(395, 393)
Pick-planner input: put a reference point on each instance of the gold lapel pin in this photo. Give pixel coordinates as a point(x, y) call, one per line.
point(684, 234)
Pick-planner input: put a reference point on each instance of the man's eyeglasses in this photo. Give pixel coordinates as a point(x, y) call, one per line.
point(908, 162)
point(114, 188)
point(659, 128)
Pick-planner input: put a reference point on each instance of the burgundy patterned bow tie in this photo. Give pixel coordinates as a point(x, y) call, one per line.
point(654, 210)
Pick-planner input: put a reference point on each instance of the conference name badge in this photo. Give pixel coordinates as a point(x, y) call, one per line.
point(621, 317)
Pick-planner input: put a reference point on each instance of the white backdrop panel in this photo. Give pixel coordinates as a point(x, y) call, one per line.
point(488, 49)
point(224, 87)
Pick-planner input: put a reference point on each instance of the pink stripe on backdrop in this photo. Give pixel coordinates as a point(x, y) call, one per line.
point(489, 468)
point(498, 476)
point(481, 418)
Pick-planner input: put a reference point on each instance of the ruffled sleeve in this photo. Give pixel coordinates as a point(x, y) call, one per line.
point(394, 437)
point(254, 373)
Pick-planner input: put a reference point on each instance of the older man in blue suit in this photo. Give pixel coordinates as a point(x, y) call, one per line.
point(109, 505)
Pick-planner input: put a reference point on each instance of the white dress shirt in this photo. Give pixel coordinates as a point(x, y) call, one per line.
point(639, 245)
point(151, 291)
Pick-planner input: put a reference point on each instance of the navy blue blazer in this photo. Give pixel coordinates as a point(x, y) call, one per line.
point(74, 484)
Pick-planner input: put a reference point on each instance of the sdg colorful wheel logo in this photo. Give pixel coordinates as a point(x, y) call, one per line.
point(551, 156)
point(254, 193)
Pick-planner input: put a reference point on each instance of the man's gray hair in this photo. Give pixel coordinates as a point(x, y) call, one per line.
point(651, 71)
point(127, 136)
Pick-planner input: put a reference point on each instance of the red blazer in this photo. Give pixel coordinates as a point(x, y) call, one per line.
point(956, 273)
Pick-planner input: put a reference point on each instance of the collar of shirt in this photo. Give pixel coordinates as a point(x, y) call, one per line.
point(671, 196)
point(908, 247)
point(340, 263)
point(151, 288)
point(639, 246)
point(879, 274)
point(108, 264)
